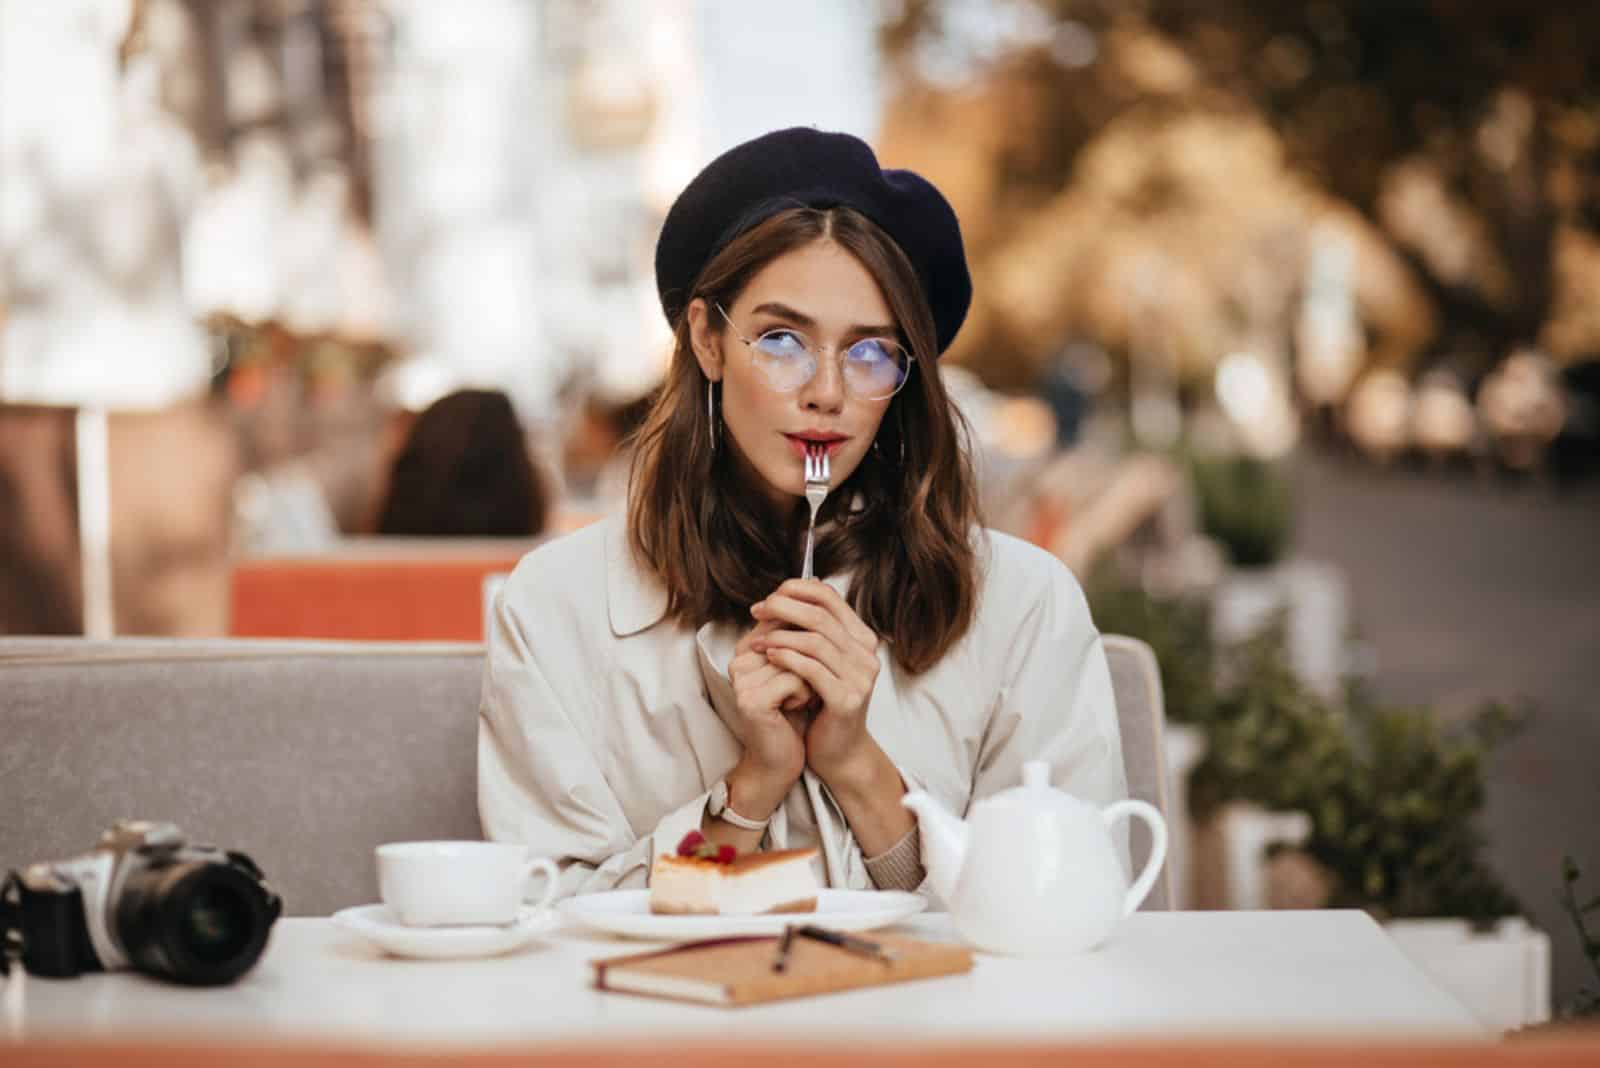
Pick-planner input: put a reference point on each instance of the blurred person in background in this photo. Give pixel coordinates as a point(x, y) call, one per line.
point(667, 672)
point(465, 470)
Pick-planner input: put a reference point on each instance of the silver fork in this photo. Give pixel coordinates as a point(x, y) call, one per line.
point(818, 475)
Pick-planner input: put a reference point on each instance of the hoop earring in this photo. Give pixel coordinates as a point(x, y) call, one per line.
point(878, 453)
point(711, 412)
point(900, 429)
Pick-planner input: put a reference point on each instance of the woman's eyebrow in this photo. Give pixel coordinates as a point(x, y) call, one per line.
point(801, 319)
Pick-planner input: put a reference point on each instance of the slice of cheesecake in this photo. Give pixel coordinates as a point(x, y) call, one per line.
point(705, 884)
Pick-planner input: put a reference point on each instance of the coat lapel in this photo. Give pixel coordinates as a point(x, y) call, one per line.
point(635, 598)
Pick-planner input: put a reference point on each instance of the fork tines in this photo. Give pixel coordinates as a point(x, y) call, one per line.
point(817, 465)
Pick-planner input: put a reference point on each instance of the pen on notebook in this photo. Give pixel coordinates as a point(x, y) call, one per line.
point(849, 942)
point(781, 961)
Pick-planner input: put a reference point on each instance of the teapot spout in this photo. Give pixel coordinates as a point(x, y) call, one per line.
point(944, 842)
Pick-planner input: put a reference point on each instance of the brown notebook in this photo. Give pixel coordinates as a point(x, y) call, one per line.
point(738, 971)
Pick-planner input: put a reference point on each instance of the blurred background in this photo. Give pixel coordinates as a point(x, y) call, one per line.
point(1286, 338)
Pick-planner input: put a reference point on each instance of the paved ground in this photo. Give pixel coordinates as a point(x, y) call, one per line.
point(1470, 588)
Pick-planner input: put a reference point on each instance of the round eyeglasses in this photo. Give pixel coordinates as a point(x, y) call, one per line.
point(873, 368)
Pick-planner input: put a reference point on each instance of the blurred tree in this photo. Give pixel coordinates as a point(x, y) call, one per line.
point(1466, 134)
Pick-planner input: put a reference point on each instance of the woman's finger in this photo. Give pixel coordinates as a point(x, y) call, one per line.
point(800, 708)
point(745, 655)
point(746, 664)
point(755, 634)
point(850, 665)
point(835, 693)
point(802, 615)
point(827, 598)
point(773, 693)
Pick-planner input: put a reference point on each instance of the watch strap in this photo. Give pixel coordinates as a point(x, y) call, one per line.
point(722, 809)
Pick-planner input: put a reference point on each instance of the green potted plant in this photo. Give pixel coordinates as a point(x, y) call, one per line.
point(1391, 799)
point(1377, 804)
point(1178, 631)
point(1247, 506)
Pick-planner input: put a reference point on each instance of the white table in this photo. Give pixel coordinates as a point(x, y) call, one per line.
point(1239, 974)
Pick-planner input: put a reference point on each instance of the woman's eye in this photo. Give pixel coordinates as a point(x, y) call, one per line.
point(783, 343)
point(869, 351)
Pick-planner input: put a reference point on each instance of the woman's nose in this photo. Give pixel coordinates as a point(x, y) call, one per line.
point(825, 391)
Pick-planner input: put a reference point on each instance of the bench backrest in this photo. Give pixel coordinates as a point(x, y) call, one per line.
point(304, 755)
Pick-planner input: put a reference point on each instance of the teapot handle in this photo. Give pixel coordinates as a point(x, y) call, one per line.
point(1158, 847)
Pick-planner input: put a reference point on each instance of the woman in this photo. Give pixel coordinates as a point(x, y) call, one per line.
point(668, 671)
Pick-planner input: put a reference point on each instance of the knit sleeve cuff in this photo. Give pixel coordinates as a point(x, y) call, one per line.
point(900, 868)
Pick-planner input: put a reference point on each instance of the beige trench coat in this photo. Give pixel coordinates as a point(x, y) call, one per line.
point(603, 727)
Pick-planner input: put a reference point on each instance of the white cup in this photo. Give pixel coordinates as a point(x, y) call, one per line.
point(435, 884)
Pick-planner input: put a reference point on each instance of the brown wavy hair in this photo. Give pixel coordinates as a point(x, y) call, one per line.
point(718, 548)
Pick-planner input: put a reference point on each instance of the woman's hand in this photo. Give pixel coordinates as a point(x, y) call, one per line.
point(772, 734)
point(815, 636)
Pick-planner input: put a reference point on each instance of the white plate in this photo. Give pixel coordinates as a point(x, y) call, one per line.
point(377, 925)
point(627, 912)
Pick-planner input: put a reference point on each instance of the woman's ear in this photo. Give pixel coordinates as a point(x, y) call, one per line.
point(703, 339)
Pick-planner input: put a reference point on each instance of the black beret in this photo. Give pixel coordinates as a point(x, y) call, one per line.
point(806, 167)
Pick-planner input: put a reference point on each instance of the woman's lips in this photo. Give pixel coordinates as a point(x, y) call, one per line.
point(798, 445)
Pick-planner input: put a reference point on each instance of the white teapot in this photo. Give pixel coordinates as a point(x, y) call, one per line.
point(1034, 870)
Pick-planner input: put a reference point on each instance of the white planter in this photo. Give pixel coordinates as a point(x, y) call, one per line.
point(1185, 747)
point(1317, 598)
point(1502, 975)
point(1228, 866)
point(1247, 832)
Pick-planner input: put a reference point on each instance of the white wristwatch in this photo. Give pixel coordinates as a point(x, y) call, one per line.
point(719, 808)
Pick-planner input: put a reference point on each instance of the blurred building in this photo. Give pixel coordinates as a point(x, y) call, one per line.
point(270, 220)
point(97, 180)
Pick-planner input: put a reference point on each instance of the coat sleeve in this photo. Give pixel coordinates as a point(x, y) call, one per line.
point(539, 782)
point(1054, 702)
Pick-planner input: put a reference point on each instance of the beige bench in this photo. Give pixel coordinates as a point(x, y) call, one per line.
point(303, 754)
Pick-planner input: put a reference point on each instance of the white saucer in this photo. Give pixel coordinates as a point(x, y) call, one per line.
point(377, 925)
point(627, 912)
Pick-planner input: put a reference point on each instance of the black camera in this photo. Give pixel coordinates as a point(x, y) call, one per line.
point(144, 898)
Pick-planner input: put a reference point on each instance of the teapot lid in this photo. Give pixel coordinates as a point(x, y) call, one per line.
point(1036, 789)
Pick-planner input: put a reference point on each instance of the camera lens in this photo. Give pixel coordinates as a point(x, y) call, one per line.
point(196, 922)
point(219, 924)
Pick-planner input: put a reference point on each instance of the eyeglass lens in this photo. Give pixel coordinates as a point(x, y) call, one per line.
point(874, 368)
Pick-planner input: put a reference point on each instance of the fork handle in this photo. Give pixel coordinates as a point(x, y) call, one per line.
point(811, 529)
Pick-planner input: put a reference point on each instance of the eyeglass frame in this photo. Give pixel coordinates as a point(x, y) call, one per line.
point(750, 343)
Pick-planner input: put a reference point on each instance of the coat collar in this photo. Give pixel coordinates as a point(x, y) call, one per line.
point(635, 598)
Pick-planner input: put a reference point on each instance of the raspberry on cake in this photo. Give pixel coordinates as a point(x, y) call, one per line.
point(706, 880)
